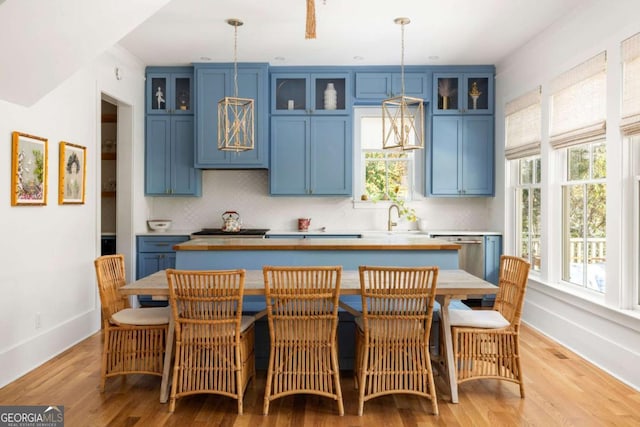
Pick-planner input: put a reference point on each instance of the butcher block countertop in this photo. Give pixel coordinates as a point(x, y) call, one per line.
point(404, 243)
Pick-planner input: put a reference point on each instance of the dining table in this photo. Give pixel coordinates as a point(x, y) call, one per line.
point(451, 284)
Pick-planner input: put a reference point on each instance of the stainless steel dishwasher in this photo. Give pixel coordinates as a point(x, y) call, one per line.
point(470, 256)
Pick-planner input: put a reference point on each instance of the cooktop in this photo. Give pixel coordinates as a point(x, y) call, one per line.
point(242, 232)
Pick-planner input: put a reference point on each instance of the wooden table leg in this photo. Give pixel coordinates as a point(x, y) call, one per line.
point(168, 353)
point(448, 345)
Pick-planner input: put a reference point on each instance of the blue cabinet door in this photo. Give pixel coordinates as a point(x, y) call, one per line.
point(373, 85)
point(169, 167)
point(463, 93)
point(289, 172)
point(379, 86)
point(185, 179)
point(157, 154)
point(331, 154)
point(169, 90)
point(477, 156)
point(298, 93)
point(310, 155)
point(213, 83)
point(492, 253)
point(444, 160)
point(461, 161)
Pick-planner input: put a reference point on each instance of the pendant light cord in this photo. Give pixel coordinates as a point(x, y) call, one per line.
point(402, 59)
point(235, 60)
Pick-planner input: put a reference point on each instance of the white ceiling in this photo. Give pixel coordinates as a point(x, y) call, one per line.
point(45, 41)
point(441, 31)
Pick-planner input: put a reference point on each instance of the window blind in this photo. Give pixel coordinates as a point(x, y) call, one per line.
point(578, 103)
point(523, 121)
point(630, 123)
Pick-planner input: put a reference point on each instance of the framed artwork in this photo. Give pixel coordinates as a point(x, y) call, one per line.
point(28, 170)
point(72, 176)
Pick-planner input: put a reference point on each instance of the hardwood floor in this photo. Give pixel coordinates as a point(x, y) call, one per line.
point(561, 389)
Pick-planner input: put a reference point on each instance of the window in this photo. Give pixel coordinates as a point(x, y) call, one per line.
point(380, 173)
point(523, 128)
point(584, 216)
point(577, 131)
point(528, 213)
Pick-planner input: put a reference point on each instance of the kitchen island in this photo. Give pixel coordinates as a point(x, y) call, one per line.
point(219, 253)
point(252, 254)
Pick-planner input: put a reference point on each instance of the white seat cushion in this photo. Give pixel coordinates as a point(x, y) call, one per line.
point(489, 319)
point(246, 322)
point(142, 316)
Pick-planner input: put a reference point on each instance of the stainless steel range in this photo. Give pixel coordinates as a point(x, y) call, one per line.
point(247, 233)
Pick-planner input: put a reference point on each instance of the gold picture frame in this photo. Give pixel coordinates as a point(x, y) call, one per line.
point(28, 170)
point(72, 174)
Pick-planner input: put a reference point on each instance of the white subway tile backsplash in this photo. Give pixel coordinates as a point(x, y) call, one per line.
point(247, 192)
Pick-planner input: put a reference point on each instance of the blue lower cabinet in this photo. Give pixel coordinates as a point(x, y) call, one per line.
point(492, 253)
point(346, 330)
point(155, 253)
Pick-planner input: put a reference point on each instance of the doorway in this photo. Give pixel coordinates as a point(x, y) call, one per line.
point(108, 182)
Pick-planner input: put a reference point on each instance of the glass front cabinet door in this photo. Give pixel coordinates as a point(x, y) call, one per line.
point(169, 93)
point(309, 93)
point(456, 93)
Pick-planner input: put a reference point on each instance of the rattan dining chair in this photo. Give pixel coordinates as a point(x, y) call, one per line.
point(302, 310)
point(392, 335)
point(486, 343)
point(134, 339)
point(214, 341)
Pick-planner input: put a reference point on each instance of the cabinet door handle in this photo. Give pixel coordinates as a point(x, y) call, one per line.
point(162, 245)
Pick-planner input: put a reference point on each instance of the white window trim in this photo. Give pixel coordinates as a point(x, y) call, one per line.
point(572, 288)
point(416, 174)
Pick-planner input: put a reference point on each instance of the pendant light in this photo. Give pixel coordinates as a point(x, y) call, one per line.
point(235, 115)
point(402, 116)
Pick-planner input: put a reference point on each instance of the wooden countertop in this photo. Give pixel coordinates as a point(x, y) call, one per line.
point(404, 243)
point(454, 283)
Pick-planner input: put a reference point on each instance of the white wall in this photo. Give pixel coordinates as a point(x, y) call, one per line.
point(48, 251)
point(599, 329)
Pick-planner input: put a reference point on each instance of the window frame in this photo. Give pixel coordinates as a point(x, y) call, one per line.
point(518, 186)
point(416, 169)
point(565, 183)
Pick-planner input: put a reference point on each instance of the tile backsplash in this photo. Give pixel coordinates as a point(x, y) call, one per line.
point(247, 192)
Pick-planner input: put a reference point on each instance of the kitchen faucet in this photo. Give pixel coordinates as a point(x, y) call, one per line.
point(391, 224)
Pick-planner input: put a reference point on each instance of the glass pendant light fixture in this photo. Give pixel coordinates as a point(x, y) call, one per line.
point(235, 115)
point(402, 116)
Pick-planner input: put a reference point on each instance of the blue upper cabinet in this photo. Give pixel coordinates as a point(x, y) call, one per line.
point(169, 138)
point(311, 156)
point(169, 167)
point(212, 83)
point(461, 158)
point(377, 86)
point(169, 90)
point(301, 93)
point(463, 93)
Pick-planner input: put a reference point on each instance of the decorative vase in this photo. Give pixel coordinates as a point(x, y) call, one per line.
point(445, 102)
point(330, 97)
point(474, 99)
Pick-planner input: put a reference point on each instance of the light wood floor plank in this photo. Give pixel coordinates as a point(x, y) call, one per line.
point(561, 390)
